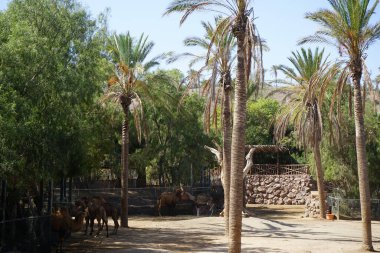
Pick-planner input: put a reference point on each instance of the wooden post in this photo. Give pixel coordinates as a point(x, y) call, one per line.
point(64, 189)
point(278, 164)
point(50, 196)
point(70, 189)
point(61, 195)
point(41, 202)
point(191, 175)
point(3, 198)
point(3, 205)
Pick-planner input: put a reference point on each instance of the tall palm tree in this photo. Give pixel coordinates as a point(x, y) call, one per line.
point(347, 27)
point(218, 46)
point(238, 20)
point(304, 96)
point(125, 87)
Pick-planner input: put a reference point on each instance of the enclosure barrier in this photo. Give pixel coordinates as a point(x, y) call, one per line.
point(30, 234)
point(279, 169)
point(350, 208)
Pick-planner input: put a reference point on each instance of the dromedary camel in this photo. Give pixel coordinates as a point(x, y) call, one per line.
point(246, 169)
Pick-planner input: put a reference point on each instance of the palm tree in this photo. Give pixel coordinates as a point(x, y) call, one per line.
point(304, 96)
point(218, 46)
point(347, 27)
point(238, 13)
point(125, 87)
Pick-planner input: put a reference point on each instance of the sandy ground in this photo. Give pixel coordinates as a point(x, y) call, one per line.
point(272, 229)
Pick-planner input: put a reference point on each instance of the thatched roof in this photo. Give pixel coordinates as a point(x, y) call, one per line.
point(267, 148)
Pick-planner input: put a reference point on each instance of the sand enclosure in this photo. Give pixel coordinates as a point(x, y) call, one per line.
point(272, 229)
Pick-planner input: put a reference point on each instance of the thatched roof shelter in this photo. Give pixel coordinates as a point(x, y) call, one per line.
point(267, 148)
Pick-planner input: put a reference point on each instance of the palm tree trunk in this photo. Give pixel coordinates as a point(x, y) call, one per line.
point(227, 148)
point(124, 171)
point(320, 180)
point(361, 156)
point(238, 141)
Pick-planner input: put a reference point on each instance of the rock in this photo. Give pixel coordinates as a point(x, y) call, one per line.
point(260, 201)
point(283, 189)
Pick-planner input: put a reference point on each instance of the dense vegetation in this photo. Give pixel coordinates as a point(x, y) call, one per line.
point(59, 69)
point(54, 122)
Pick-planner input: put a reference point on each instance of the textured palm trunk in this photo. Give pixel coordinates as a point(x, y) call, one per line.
point(361, 156)
point(124, 172)
point(227, 148)
point(320, 180)
point(238, 141)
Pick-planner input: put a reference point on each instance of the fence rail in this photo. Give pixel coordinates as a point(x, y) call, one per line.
point(350, 208)
point(25, 231)
point(29, 234)
point(282, 169)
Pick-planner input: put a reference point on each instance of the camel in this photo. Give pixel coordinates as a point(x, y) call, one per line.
point(246, 169)
point(95, 210)
point(111, 211)
point(169, 200)
point(202, 199)
point(63, 224)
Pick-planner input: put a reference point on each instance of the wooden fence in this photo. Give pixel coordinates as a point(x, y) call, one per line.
point(282, 169)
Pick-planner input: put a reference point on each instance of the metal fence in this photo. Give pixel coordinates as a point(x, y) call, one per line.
point(31, 234)
point(140, 200)
point(350, 208)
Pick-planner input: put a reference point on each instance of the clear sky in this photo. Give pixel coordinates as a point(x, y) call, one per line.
point(280, 22)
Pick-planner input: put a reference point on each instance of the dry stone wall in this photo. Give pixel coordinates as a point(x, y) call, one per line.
point(278, 189)
point(312, 205)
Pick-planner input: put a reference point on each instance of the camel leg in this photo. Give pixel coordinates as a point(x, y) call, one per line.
point(159, 207)
point(116, 224)
point(87, 223)
point(92, 221)
point(212, 209)
point(100, 227)
point(106, 222)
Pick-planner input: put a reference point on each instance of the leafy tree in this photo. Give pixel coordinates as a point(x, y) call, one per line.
point(176, 139)
point(260, 121)
point(347, 27)
point(50, 73)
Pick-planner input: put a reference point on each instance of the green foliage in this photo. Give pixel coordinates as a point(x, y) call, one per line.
point(339, 153)
point(176, 137)
point(50, 72)
point(260, 119)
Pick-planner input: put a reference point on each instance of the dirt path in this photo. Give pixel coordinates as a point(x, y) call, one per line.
point(279, 229)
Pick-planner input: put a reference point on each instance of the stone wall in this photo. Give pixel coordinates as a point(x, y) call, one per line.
point(278, 189)
point(312, 205)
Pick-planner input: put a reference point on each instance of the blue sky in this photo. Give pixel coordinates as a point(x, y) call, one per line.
point(280, 23)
